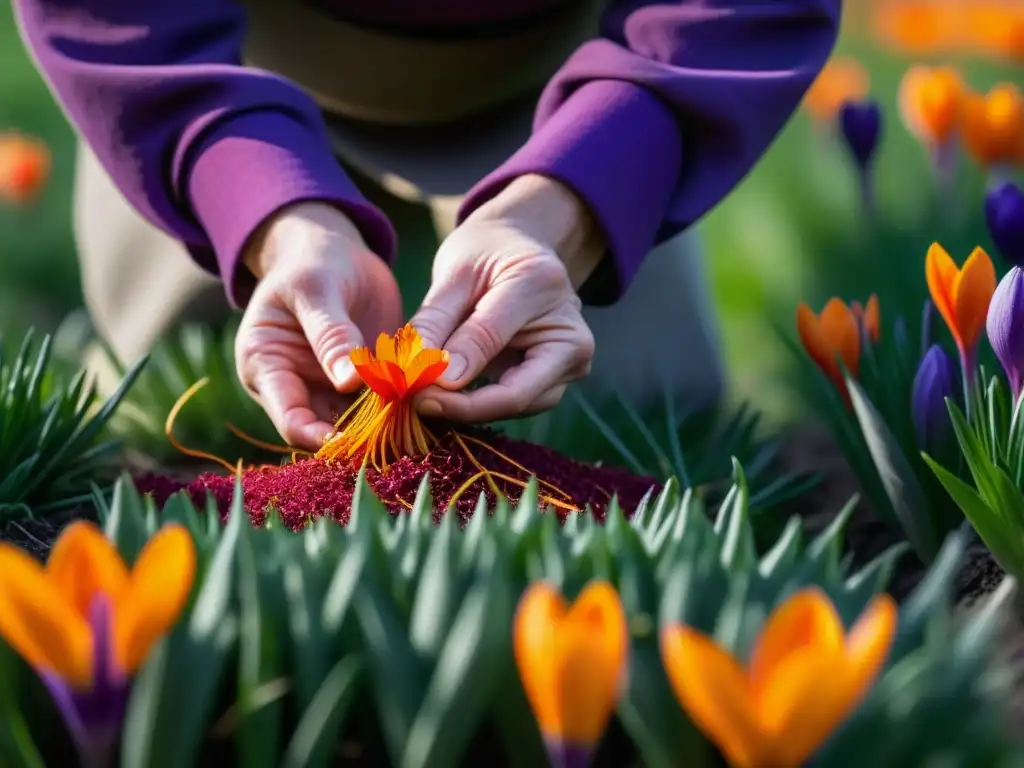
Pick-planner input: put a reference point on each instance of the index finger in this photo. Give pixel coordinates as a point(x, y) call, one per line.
point(286, 399)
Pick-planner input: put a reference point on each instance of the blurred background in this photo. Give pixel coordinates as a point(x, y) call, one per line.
point(795, 230)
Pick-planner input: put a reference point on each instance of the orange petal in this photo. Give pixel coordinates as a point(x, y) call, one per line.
point(538, 617)
point(941, 274)
point(930, 102)
point(873, 318)
point(869, 643)
point(973, 291)
point(39, 622)
point(813, 339)
point(807, 619)
point(426, 369)
point(372, 372)
point(83, 563)
point(158, 589)
point(713, 689)
point(839, 327)
point(408, 345)
point(24, 168)
point(803, 702)
point(841, 80)
point(593, 643)
point(385, 349)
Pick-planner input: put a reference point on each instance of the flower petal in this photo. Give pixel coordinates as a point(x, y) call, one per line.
point(159, 587)
point(83, 563)
point(973, 292)
point(869, 643)
point(840, 328)
point(807, 619)
point(941, 274)
point(873, 318)
point(813, 339)
point(593, 643)
point(408, 344)
point(713, 689)
point(39, 623)
point(538, 617)
point(372, 372)
point(425, 369)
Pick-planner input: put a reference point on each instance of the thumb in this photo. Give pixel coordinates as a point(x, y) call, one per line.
point(331, 335)
point(443, 309)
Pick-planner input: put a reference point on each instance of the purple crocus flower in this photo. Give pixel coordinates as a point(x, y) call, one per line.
point(1004, 213)
point(861, 125)
point(1005, 325)
point(935, 381)
point(562, 755)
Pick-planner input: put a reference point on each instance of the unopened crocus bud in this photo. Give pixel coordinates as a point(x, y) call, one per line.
point(861, 125)
point(1005, 326)
point(1004, 213)
point(936, 380)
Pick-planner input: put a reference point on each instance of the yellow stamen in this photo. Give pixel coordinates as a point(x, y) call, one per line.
point(269, 447)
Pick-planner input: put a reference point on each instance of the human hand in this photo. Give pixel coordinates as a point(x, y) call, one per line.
point(503, 301)
point(321, 292)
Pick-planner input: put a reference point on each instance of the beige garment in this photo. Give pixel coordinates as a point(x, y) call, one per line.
point(432, 138)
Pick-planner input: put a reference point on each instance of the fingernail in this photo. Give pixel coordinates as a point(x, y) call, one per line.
point(343, 371)
point(456, 367)
point(430, 408)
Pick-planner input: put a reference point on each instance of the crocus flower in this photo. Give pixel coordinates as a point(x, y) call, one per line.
point(915, 27)
point(831, 338)
point(861, 125)
point(86, 623)
point(841, 80)
point(383, 423)
point(1004, 213)
point(1006, 327)
point(931, 102)
point(935, 381)
point(869, 318)
point(804, 678)
point(993, 126)
point(24, 168)
point(962, 297)
point(995, 28)
point(572, 662)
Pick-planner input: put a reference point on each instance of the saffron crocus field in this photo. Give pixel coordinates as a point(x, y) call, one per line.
point(602, 585)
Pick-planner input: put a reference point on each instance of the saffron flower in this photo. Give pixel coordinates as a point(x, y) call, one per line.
point(572, 662)
point(24, 168)
point(869, 318)
point(935, 381)
point(383, 423)
point(916, 27)
point(962, 296)
point(1006, 327)
point(996, 28)
point(86, 623)
point(1004, 214)
point(804, 678)
point(841, 80)
point(861, 126)
point(931, 102)
point(993, 126)
point(833, 338)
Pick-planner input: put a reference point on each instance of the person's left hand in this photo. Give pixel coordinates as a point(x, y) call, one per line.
point(503, 301)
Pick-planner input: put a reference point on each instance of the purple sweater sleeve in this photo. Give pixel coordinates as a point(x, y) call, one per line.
point(204, 148)
point(656, 121)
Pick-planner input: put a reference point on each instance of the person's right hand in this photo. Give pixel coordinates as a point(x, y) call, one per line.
point(320, 293)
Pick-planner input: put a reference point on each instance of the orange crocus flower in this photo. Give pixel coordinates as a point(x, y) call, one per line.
point(572, 661)
point(869, 317)
point(995, 28)
point(841, 80)
point(804, 678)
point(383, 422)
point(993, 125)
point(24, 168)
point(961, 295)
point(931, 102)
point(831, 338)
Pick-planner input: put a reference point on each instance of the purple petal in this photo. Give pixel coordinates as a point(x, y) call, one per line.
point(1005, 326)
point(1004, 214)
point(861, 125)
point(94, 715)
point(564, 755)
point(935, 381)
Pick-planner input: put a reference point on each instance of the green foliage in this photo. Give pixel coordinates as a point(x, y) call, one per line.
point(395, 633)
point(992, 444)
point(52, 446)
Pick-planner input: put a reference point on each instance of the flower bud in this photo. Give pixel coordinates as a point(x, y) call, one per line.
point(1004, 213)
point(1005, 327)
point(861, 125)
point(936, 380)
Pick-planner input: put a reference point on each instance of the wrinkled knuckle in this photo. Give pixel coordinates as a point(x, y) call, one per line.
point(306, 285)
point(485, 342)
point(431, 322)
point(333, 342)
